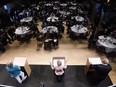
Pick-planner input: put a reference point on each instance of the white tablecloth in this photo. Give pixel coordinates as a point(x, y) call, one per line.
point(73, 7)
point(37, 7)
point(24, 12)
point(64, 12)
point(56, 8)
point(27, 19)
point(63, 4)
point(21, 13)
point(22, 30)
point(73, 3)
point(50, 28)
point(79, 29)
point(52, 19)
point(108, 43)
point(79, 18)
point(49, 4)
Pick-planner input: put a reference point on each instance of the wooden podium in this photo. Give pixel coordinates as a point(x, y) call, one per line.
point(92, 61)
point(22, 62)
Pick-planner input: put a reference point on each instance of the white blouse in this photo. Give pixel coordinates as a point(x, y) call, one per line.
point(59, 70)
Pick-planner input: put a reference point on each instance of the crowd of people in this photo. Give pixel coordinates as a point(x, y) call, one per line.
point(41, 11)
point(55, 13)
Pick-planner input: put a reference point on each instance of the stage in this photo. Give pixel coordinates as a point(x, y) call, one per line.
point(74, 77)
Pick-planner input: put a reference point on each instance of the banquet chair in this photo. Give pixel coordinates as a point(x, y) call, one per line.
point(72, 35)
point(47, 45)
point(101, 49)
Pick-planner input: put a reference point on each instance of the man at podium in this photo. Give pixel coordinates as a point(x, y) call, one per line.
point(100, 72)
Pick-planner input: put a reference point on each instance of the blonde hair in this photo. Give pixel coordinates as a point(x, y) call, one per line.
point(9, 64)
point(59, 63)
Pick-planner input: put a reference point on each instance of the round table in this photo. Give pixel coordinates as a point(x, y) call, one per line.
point(50, 28)
point(63, 4)
point(74, 4)
point(73, 7)
point(22, 30)
point(79, 29)
point(27, 19)
point(64, 12)
point(52, 19)
point(49, 4)
point(56, 8)
point(79, 18)
point(108, 42)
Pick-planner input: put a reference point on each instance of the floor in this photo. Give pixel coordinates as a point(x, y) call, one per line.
point(76, 53)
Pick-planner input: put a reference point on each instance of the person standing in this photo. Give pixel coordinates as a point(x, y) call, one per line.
point(100, 72)
point(15, 71)
point(59, 69)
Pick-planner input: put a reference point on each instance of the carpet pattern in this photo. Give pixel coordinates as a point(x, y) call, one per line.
point(74, 77)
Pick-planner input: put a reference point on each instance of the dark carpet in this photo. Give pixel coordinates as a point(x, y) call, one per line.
point(74, 77)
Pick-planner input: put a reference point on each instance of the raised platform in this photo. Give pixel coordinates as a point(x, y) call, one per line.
point(74, 77)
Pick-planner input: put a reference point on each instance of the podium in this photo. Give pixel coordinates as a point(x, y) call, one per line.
point(55, 59)
point(92, 61)
point(22, 62)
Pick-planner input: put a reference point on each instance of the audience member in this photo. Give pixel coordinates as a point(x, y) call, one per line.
point(39, 37)
point(2, 49)
point(11, 33)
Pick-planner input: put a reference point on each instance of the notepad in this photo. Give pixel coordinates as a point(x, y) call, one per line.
point(95, 61)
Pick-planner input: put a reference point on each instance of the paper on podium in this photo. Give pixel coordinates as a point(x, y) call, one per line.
point(95, 61)
point(55, 59)
point(20, 61)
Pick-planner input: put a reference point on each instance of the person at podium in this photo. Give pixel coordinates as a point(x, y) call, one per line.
point(100, 72)
point(15, 71)
point(59, 69)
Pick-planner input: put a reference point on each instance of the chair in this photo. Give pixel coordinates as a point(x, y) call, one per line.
point(72, 35)
point(2, 49)
point(47, 45)
point(101, 49)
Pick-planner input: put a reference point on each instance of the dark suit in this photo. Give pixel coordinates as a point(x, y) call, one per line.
point(100, 73)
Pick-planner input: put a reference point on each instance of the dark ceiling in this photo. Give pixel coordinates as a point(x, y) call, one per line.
point(3, 2)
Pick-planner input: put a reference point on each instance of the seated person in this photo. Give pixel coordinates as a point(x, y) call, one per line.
point(15, 71)
point(48, 41)
point(59, 69)
point(2, 49)
point(54, 42)
point(39, 37)
point(91, 41)
point(100, 72)
point(113, 34)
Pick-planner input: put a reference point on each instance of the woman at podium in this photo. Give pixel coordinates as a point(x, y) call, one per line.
point(59, 69)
